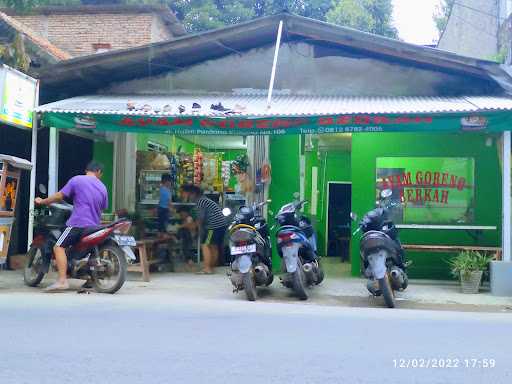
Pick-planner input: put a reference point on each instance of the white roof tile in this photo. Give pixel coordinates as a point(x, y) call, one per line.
point(282, 105)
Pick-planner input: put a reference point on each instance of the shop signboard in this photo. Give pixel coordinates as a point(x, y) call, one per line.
point(247, 125)
point(18, 97)
point(6, 224)
point(431, 190)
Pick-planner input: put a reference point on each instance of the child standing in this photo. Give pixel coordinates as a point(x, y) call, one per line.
point(164, 203)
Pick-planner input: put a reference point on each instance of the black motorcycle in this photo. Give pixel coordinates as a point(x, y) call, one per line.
point(296, 244)
point(250, 249)
point(381, 252)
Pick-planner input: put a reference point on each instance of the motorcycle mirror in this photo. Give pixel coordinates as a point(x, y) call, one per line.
point(226, 212)
point(296, 195)
point(353, 216)
point(386, 193)
point(42, 189)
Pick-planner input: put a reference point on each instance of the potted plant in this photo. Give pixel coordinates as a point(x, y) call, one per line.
point(469, 267)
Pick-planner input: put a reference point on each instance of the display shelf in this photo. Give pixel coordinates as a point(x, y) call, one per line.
point(148, 202)
point(149, 185)
point(155, 202)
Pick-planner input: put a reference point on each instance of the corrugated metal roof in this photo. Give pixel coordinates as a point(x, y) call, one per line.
point(282, 105)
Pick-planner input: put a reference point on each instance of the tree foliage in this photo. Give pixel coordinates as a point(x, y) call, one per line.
point(26, 5)
point(15, 54)
point(372, 16)
point(442, 13)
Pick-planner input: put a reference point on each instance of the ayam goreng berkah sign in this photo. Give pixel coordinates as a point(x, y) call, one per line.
point(196, 125)
point(431, 190)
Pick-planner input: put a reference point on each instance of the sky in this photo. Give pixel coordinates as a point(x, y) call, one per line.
point(413, 18)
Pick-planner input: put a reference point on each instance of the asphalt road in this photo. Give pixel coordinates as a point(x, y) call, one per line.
point(159, 338)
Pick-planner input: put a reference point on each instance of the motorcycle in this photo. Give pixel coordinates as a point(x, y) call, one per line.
point(100, 257)
point(250, 249)
point(296, 244)
point(381, 252)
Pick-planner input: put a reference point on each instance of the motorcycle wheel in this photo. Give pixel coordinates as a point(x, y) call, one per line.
point(299, 285)
point(249, 286)
point(114, 260)
point(387, 291)
point(32, 274)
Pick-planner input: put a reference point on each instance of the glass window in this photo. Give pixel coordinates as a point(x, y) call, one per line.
point(432, 190)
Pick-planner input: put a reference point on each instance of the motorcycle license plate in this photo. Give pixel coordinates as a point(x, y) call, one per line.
point(125, 240)
point(251, 248)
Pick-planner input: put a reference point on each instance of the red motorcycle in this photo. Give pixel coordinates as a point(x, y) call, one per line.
point(100, 256)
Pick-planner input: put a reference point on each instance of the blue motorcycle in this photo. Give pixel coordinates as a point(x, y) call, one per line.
point(296, 244)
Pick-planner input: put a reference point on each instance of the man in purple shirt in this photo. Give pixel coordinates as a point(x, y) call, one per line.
point(89, 197)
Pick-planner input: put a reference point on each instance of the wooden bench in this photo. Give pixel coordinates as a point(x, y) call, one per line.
point(145, 250)
point(454, 248)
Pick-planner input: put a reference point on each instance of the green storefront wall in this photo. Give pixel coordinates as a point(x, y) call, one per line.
point(367, 148)
point(104, 153)
point(172, 142)
point(284, 158)
point(359, 167)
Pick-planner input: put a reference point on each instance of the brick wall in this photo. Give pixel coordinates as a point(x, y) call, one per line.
point(76, 33)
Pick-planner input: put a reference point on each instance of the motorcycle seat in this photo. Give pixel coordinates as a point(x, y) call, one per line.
point(90, 230)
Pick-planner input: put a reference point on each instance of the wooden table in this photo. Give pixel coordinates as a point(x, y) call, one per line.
point(454, 248)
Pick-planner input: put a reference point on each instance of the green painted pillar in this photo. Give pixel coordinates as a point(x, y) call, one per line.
point(284, 159)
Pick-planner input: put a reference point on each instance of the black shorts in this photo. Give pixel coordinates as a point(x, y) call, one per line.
point(213, 236)
point(69, 237)
point(163, 219)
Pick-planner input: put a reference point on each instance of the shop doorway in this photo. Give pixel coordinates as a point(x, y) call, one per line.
point(339, 198)
point(75, 153)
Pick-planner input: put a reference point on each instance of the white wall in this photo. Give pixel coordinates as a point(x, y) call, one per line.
point(472, 29)
point(303, 68)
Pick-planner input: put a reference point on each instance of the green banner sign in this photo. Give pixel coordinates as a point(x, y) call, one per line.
point(196, 125)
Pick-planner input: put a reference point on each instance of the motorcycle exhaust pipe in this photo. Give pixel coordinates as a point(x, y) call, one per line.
point(261, 274)
point(309, 271)
point(236, 280)
point(398, 278)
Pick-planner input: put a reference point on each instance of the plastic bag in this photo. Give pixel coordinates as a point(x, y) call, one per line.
point(161, 162)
